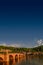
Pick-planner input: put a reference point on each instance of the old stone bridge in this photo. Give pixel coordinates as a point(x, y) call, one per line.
point(11, 56)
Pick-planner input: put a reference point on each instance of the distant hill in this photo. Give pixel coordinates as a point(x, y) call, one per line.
point(39, 48)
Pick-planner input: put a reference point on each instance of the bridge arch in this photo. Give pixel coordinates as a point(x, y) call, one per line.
point(10, 57)
point(16, 58)
point(1, 59)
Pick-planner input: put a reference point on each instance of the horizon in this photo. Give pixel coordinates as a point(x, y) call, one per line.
point(38, 43)
point(21, 23)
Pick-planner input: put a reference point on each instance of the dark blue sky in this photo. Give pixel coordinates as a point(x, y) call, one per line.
point(21, 21)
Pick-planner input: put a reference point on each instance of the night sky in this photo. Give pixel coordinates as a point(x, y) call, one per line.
point(21, 22)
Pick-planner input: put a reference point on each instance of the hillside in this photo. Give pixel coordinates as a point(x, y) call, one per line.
point(39, 48)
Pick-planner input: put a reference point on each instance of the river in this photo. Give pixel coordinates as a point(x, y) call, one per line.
point(28, 60)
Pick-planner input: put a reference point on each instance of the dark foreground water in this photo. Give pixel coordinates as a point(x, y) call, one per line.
point(28, 60)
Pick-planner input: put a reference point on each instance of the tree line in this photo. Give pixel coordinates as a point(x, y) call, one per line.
point(15, 49)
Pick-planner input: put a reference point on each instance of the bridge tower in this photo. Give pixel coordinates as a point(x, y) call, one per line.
point(6, 56)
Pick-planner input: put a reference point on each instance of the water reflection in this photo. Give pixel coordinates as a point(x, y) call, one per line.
point(28, 60)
